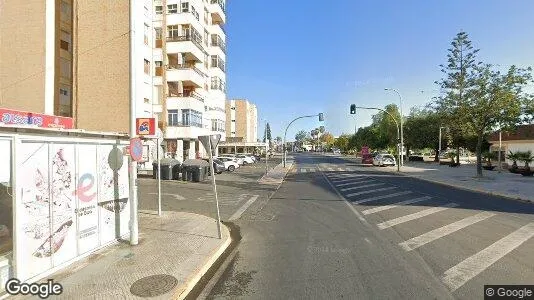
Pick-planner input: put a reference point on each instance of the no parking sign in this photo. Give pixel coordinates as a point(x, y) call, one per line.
point(136, 149)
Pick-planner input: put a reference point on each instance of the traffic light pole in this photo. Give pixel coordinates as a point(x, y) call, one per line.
point(398, 130)
point(320, 115)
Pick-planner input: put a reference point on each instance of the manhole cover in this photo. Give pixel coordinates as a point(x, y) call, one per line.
point(154, 285)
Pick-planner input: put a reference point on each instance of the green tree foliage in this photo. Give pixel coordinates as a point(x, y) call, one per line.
point(267, 134)
point(421, 130)
point(342, 142)
point(301, 137)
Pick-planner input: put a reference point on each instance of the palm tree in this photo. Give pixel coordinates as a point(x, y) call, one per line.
point(488, 156)
point(514, 157)
point(527, 158)
point(452, 156)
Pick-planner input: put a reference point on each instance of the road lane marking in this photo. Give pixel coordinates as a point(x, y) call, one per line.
point(371, 191)
point(368, 241)
point(414, 216)
point(346, 176)
point(336, 181)
point(437, 233)
point(390, 206)
point(358, 215)
point(352, 182)
point(242, 209)
point(361, 187)
point(382, 197)
point(175, 196)
point(302, 170)
point(458, 275)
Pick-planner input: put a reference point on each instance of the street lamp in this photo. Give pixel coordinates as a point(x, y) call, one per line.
point(439, 151)
point(353, 111)
point(401, 123)
point(321, 118)
point(266, 142)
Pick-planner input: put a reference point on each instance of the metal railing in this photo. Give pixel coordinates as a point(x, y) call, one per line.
point(221, 4)
point(218, 42)
point(194, 38)
point(187, 95)
point(186, 66)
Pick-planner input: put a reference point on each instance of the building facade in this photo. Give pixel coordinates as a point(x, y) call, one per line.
point(241, 128)
point(190, 78)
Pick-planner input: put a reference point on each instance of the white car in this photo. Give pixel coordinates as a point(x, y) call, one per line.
point(229, 163)
point(238, 160)
point(384, 160)
point(247, 159)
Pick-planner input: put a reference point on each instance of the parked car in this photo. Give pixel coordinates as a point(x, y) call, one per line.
point(384, 160)
point(238, 160)
point(246, 159)
point(254, 157)
point(229, 163)
point(218, 166)
point(336, 151)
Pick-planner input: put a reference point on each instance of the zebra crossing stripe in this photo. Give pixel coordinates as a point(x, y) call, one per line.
point(336, 181)
point(370, 191)
point(352, 182)
point(302, 170)
point(437, 233)
point(360, 187)
point(390, 206)
point(458, 275)
point(415, 216)
point(382, 197)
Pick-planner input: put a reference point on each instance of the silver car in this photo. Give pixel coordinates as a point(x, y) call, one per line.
point(384, 160)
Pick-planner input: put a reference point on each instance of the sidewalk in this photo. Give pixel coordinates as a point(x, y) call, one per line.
point(276, 175)
point(180, 246)
point(503, 184)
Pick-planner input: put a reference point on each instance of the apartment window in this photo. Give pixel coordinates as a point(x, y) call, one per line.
point(172, 116)
point(147, 30)
point(233, 121)
point(185, 7)
point(159, 9)
point(146, 100)
point(172, 31)
point(158, 63)
point(206, 16)
point(172, 8)
point(233, 132)
point(65, 39)
point(158, 33)
point(217, 62)
point(147, 67)
point(65, 103)
point(217, 84)
point(217, 125)
point(233, 108)
point(192, 117)
point(65, 69)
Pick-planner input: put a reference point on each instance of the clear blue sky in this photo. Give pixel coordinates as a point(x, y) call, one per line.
point(303, 57)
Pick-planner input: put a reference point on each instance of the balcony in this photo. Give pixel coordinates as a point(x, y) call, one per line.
point(185, 100)
point(217, 28)
point(188, 74)
point(217, 41)
point(217, 62)
point(218, 11)
point(190, 44)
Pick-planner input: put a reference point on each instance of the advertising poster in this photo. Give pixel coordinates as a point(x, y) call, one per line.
point(113, 195)
point(33, 206)
point(63, 183)
point(86, 196)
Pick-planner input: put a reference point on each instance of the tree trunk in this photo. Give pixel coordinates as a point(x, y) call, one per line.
point(458, 154)
point(407, 153)
point(436, 157)
point(479, 154)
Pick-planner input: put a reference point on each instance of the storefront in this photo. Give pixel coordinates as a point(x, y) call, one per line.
point(63, 195)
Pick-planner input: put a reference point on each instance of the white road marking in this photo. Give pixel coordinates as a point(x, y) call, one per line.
point(382, 197)
point(330, 169)
point(353, 182)
point(175, 196)
point(458, 275)
point(342, 169)
point(346, 176)
point(368, 241)
point(415, 216)
point(437, 233)
point(360, 187)
point(302, 170)
point(371, 191)
point(390, 206)
point(242, 209)
point(336, 181)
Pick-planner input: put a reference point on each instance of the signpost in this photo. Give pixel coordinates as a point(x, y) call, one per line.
point(210, 143)
point(136, 149)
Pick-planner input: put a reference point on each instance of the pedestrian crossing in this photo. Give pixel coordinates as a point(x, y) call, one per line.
point(390, 207)
point(313, 169)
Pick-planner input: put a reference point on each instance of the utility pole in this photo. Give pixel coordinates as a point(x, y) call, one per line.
point(132, 170)
point(163, 37)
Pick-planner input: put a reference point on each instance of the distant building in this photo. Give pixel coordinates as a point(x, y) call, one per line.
point(241, 128)
point(521, 139)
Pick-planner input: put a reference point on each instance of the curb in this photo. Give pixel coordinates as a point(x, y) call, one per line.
point(183, 291)
point(271, 181)
point(466, 188)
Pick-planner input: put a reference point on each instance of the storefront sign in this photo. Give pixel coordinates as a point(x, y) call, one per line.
point(15, 117)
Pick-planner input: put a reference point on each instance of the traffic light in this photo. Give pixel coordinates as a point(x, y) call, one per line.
point(353, 109)
point(321, 117)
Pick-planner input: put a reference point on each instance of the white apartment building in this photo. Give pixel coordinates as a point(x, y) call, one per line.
point(189, 73)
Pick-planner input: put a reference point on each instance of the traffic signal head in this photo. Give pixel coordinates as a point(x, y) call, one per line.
point(321, 117)
point(353, 109)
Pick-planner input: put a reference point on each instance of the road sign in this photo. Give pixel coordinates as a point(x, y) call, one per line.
point(204, 139)
point(136, 149)
point(146, 126)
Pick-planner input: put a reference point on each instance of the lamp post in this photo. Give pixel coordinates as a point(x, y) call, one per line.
point(266, 143)
point(321, 118)
point(500, 150)
point(401, 123)
point(439, 150)
point(353, 111)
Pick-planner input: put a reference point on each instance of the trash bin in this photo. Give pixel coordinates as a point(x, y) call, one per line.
point(169, 168)
point(195, 170)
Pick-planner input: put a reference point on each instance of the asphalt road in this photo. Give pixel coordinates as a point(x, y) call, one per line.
point(237, 192)
point(338, 230)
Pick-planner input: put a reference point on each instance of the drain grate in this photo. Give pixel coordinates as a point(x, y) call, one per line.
point(154, 285)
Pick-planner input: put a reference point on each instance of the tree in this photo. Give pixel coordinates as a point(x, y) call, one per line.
point(459, 78)
point(278, 140)
point(301, 137)
point(478, 98)
point(421, 130)
point(267, 134)
point(327, 138)
point(342, 142)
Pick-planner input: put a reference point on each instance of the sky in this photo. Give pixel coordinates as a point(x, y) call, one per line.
point(303, 57)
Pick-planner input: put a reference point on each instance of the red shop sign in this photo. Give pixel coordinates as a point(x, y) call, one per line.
point(16, 117)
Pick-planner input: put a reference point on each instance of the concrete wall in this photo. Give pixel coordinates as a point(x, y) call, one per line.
point(22, 55)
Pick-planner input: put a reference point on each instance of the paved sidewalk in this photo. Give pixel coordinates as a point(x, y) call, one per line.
point(503, 184)
point(182, 245)
point(276, 175)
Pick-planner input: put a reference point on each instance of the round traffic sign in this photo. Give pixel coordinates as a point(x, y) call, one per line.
point(136, 149)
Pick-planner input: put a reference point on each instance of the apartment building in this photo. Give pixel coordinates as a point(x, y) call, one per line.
point(71, 58)
point(241, 127)
point(190, 79)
